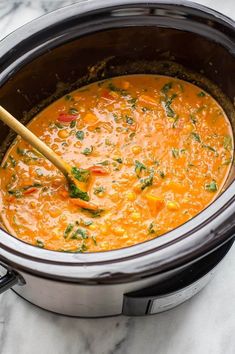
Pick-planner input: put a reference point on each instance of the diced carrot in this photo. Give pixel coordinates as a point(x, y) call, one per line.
point(63, 117)
point(99, 170)
point(64, 193)
point(83, 204)
point(125, 85)
point(155, 203)
point(148, 100)
point(90, 118)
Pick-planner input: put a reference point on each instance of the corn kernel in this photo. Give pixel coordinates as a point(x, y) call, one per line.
point(113, 94)
point(119, 231)
point(33, 204)
point(131, 196)
point(129, 161)
point(92, 227)
point(188, 127)
point(63, 134)
point(135, 216)
point(100, 194)
point(136, 149)
point(54, 212)
point(103, 229)
point(172, 205)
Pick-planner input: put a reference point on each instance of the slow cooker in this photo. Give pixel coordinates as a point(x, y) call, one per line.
point(80, 44)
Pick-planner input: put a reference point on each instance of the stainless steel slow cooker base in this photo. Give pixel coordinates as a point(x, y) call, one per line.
point(133, 299)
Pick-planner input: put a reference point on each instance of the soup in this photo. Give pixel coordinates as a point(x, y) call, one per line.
point(153, 150)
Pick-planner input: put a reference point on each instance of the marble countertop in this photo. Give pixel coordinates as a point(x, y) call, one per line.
point(203, 325)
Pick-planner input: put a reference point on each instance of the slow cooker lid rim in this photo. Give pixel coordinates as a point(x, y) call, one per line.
point(86, 8)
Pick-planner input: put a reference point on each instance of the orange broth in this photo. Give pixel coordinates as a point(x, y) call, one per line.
point(158, 150)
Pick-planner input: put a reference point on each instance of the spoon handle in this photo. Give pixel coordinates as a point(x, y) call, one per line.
point(32, 139)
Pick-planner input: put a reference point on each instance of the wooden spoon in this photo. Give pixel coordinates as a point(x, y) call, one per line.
point(55, 159)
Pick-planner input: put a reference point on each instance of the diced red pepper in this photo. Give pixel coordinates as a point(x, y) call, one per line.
point(99, 170)
point(106, 94)
point(63, 117)
point(30, 191)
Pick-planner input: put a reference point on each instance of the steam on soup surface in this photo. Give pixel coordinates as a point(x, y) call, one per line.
point(156, 151)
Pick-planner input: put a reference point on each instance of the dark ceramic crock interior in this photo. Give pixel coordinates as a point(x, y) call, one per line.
point(70, 48)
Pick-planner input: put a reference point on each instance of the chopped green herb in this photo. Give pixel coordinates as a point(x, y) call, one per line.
point(59, 125)
point(20, 151)
point(37, 185)
point(80, 135)
point(114, 88)
point(73, 111)
point(28, 155)
point(16, 192)
point(81, 174)
point(146, 182)
point(167, 103)
point(68, 97)
point(210, 148)
point(119, 160)
point(87, 151)
point(39, 243)
point(227, 161)
point(227, 142)
point(165, 89)
point(193, 119)
point(161, 174)
point(87, 222)
point(6, 164)
point(175, 153)
point(132, 101)
point(196, 137)
point(151, 229)
point(12, 161)
point(139, 167)
point(201, 94)
point(73, 123)
point(115, 116)
point(93, 213)
point(211, 187)
point(82, 248)
point(175, 121)
point(39, 172)
point(129, 120)
point(79, 232)
point(99, 190)
point(94, 240)
point(75, 192)
point(103, 163)
point(68, 229)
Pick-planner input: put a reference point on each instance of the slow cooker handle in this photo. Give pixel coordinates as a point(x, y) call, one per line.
point(8, 280)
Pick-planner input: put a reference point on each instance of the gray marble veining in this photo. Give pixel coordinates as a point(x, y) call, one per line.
point(203, 325)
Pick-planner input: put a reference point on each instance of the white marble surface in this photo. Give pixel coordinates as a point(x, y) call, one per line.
point(203, 325)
